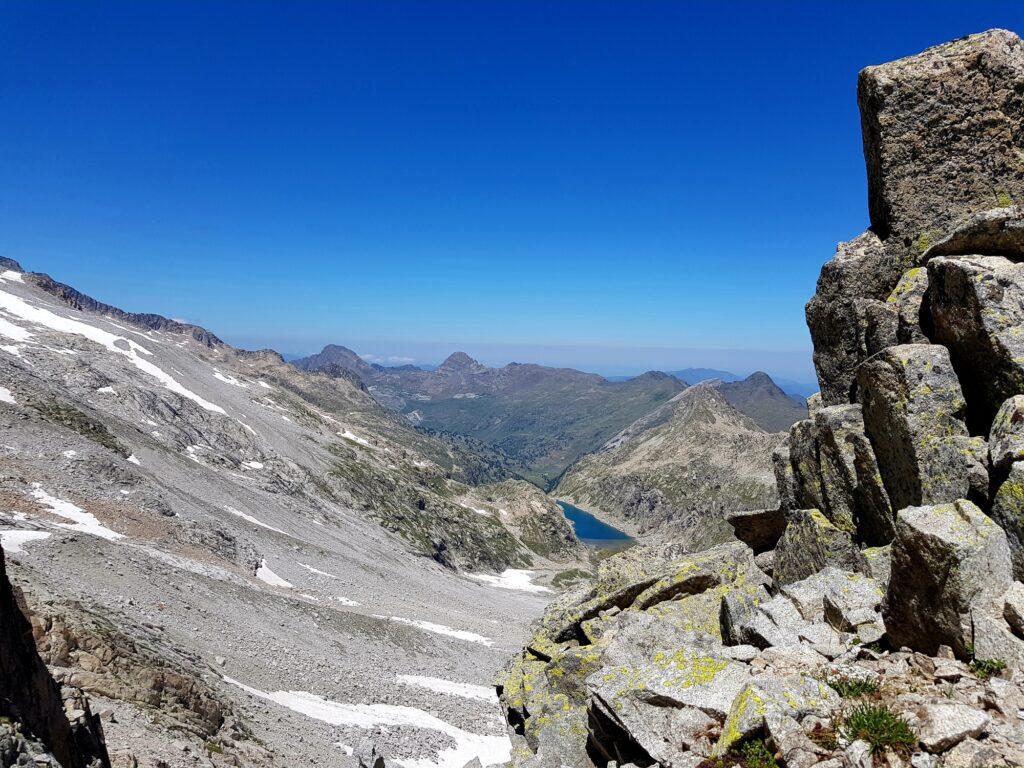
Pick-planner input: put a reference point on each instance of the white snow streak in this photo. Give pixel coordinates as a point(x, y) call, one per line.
point(311, 569)
point(254, 521)
point(355, 438)
point(12, 331)
point(6, 396)
point(465, 690)
point(490, 749)
point(513, 578)
point(118, 344)
point(252, 464)
point(133, 459)
point(441, 629)
point(84, 522)
point(106, 391)
point(263, 573)
point(229, 379)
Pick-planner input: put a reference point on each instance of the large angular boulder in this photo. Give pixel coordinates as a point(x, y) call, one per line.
point(855, 497)
point(941, 135)
point(907, 301)
point(759, 529)
point(977, 308)
point(812, 542)
point(840, 314)
point(785, 480)
point(1006, 438)
point(913, 408)
point(949, 561)
point(1008, 512)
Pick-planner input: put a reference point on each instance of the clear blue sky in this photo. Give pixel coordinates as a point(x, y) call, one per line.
point(615, 186)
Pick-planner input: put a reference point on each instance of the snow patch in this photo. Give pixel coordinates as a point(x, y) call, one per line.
point(254, 521)
point(84, 522)
point(355, 438)
point(13, 542)
point(264, 385)
point(512, 578)
point(438, 685)
point(10, 274)
point(252, 464)
point(311, 569)
point(70, 454)
point(346, 601)
point(441, 629)
point(490, 749)
point(12, 331)
point(117, 344)
point(6, 396)
point(11, 349)
point(264, 574)
point(106, 391)
point(133, 459)
point(229, 379)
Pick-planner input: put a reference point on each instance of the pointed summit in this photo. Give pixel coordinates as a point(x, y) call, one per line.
point(460, 362)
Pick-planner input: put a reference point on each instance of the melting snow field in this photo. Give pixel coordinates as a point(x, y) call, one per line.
point(438, 685)
point(253, 520)
point(490, 749)
point(20, 308)
point(264, 574)
point(512, 578)
point(84, 522)
point(6, 396)
point(15, 541)
point(441, 629)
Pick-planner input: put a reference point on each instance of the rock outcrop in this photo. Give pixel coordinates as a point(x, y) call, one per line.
point(40, 719)
point(888, 573)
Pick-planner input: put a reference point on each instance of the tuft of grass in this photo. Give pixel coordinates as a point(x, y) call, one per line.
point(851, 688)
point(757, 755)
point(985, 669)
point(880, 727)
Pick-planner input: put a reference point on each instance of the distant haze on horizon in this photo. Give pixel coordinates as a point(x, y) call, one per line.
point(606, 361)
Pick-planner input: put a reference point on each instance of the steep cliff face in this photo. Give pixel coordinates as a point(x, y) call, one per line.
point(34, 705)
point(888, 574)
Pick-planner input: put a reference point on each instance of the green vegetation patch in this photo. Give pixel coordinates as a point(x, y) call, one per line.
point(78, 421)
point(881, 727)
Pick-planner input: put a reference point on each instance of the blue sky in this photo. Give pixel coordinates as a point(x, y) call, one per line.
point(614, 186)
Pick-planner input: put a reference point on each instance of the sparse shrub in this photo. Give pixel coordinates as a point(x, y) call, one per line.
point(880, 727)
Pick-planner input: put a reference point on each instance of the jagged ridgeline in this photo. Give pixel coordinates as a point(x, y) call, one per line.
point(879, 611)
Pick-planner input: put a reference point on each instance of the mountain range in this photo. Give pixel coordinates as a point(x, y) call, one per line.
point(533, 420)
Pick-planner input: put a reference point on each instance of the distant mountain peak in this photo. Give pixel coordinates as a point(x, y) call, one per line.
point(460, 361)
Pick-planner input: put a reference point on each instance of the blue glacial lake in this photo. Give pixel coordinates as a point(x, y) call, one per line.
point(592, 531)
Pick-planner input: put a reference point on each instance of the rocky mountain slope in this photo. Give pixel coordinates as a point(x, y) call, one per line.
point(245, 564)
point(678, 470)
point(537, 420)
point(877, 617)
point(764, 401)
